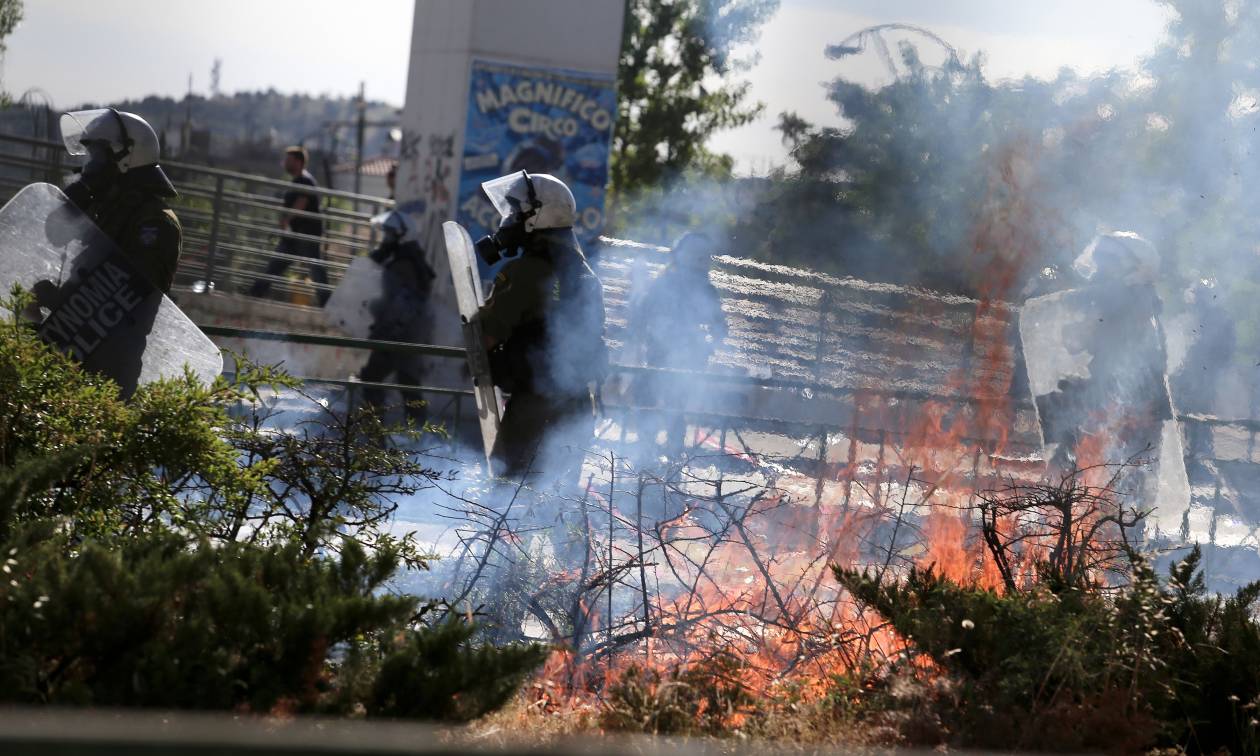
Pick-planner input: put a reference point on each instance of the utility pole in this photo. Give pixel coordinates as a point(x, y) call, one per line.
point(215, 70)
point(329, 157)
point(361, 124)
point(360, 127)
point(186, 132)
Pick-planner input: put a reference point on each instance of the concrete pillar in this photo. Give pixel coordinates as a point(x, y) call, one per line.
point(451, 38)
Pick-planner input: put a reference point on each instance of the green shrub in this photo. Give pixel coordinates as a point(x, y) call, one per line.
point(143, 455)
point(1152, 663)
point(1212, 648)
point(174, 550)
point(437, 674)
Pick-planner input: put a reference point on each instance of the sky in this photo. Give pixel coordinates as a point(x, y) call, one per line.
point(79, 51)
point(1017, 38)
point(106, 50)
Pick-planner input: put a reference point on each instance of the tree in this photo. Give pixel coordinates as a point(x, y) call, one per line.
point(925, 177)
point(10, 17)
point(1199, 118)
point(793, 128)
point(674, 89)
point(935, 178)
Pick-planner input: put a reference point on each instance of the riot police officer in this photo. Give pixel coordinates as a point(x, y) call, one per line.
point(1116, 409)
point(406, 284)
point(679, 323)
point(543, 325)
point(124, 190)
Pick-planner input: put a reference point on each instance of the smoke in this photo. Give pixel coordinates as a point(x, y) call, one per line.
point(876, 362)
point(951, 182)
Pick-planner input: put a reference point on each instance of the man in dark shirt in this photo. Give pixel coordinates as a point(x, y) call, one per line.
point(300, 233)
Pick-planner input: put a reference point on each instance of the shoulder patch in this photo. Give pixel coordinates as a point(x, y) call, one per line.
point(148, 234)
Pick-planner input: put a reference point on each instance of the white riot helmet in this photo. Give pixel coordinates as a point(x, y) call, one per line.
point(117, 145)
point(526, 203)
point(130, 139)
point(693, 250)
point(540, 200)
point(396, 226)
point(1119, 256)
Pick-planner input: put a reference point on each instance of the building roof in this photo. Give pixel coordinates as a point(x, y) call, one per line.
point(377, 166)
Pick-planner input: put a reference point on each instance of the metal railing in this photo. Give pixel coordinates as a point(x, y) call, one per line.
point(231, 230)
point(446, 406)
point(232, 224)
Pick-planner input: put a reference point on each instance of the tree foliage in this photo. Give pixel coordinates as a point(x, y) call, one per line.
point(944, 174)
point(10, 16)
point(935, 179)
point(676, 88)
point(201, 459)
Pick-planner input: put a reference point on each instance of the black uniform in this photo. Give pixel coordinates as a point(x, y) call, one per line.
point(408, 281)
point(680, 323)
point(680, 319)
point(546, 315)
point(135, 215)
point(298, 246)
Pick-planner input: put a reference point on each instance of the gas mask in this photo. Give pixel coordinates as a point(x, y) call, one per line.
point(98, 174)
point(510, 237)
point(390, 237)
point(512, 233)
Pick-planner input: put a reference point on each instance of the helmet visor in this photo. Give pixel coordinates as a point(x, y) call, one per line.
point(378, 221)
point(509, 194)
point(393, 222)
point(74, 125)
point(1132, 254)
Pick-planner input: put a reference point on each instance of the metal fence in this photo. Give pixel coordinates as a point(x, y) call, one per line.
point(232, 223)
point(232, 228)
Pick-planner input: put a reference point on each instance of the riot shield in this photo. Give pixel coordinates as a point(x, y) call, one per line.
point(91, 302)
point(468, 294)
point(367, 304)
point(1097, 369)
point(350, 308)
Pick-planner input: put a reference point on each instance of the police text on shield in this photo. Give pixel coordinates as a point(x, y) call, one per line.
point(92, 310)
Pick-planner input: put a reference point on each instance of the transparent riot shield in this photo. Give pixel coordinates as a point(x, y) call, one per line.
point(350, 308)
point(366, 306)
point(468, 293)
point(91, 302)
point(1097, 368)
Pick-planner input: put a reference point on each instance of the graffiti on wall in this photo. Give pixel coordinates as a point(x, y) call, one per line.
point(427, 161)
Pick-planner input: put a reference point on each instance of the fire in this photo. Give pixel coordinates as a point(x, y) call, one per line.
point(760, 587)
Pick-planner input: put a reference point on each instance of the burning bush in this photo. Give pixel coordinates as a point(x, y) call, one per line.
point(704, 698)
point(1069, 661)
